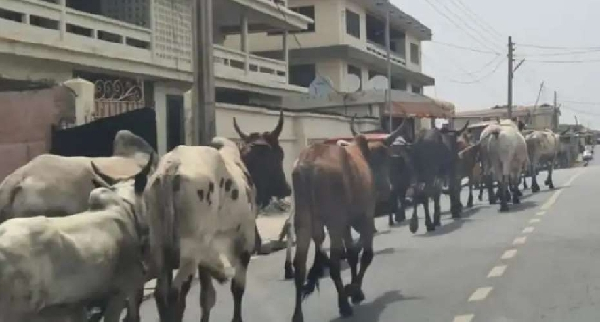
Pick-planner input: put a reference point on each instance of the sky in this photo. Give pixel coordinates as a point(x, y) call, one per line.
point(476, 77)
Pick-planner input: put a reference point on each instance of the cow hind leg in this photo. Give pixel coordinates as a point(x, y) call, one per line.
point(549, 181)
point(503, 194)
point(317, 269)
point(436, 209)
point(302, 244)
point(470, 200)
point(208, 296)
point(428, 222)
point(337, 247)
point(414, 220)
point(355, 288)
point(133, 306)
point(288, 268)
point(238, 286)
point(492, 197)
point(161, 295)
point(534, 185)
point(401, 208)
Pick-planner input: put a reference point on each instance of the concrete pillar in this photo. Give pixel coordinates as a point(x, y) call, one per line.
point(63, 19)
point(187, 121)
point(286, 56)
point(244, 45)
point(84, 102)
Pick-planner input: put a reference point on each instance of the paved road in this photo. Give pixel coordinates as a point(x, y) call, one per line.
point(488, 266)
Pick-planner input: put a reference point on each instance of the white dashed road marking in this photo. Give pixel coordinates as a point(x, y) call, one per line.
point(540, 213)
point(520, 240)
point(509, 254)
point(497, 271)
point(480, 294)
point(463, 318)
point(534, 220)
point(528, 230)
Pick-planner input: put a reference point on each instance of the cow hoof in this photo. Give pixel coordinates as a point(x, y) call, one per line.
point(345, 310)
point(547, 183)
point(430, 228)
point(551, 185)
point(516, 201)
point(504, 208)
point(492, 201)
point(355, 293)
point(414, 224)
point(437, 224)
point(298, 317)
point(289, 271)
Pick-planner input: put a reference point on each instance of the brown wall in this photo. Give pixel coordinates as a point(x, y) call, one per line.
point(25, 121)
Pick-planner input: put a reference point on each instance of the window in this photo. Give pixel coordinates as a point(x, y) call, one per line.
point(416, 89)
point(398, 83)
point(414, 54)
point(353, 23)
point(353, 70)
point(302, 75)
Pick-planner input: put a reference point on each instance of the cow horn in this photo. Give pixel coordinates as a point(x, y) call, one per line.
point(242, 135)
point(141, 179)
point(352, 129)
point(392, 137)
point(106, 179)
point(459, 132)
point(279, 126)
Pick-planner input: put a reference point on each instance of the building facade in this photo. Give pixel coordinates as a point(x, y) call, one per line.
point(536, 117)
point(139, 53)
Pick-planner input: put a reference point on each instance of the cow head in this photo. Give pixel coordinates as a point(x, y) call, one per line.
point(455, 139)
point(377, 154)
point(263, 156)
point(111, 192)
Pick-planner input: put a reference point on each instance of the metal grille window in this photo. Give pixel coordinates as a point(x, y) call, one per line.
point(353, 23)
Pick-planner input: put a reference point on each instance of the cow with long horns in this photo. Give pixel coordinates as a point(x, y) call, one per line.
point(435, 157)
point(336, 187)
point(263, 157)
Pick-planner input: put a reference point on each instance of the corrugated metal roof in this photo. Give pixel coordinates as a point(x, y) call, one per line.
point(502, 112)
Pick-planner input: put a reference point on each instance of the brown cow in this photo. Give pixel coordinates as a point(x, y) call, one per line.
point(337, 187)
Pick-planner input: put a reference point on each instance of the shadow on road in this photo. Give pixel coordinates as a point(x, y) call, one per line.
point(371, 312)
point(456, 224)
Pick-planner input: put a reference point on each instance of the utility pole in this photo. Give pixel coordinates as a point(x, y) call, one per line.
point(203, 92)
point(388, 94)
point(511, 50)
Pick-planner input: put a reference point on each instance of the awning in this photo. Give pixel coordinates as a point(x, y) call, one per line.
point(420, 106)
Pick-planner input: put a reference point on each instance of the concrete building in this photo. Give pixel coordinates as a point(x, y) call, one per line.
point(536, 117)
point(138, 53)
point(347, 42)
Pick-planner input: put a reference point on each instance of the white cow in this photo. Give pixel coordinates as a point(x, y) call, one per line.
point(56, 186)
point(542, 147)
point(200, 206)
point(504, 156)
point(54, 267)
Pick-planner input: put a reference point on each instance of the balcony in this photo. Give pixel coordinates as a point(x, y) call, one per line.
point(232, 63)
point(381, 52)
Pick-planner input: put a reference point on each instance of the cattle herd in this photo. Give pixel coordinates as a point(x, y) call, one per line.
point(80, 236)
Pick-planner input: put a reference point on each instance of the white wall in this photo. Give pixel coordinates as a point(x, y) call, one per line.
point(23, 68)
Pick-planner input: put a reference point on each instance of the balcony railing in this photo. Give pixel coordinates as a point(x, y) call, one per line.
point(53, 24)
point(231, 62)
point(378, 50)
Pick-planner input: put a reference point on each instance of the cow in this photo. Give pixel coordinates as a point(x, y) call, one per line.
point(55, 267)
point(504, 156)
point(337, 187)
point(402, 178)
point(201, 208)
point(55, 186)
point(468, 167)
point(263, 157)
point(435, 156)
point(543, 148)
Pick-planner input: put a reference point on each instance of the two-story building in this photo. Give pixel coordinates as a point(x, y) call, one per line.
point(539, 117)
point(139, 53)
point(346, 42)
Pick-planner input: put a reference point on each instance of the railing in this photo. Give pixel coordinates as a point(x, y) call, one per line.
point(232, 61)
point(382, 52)
point(70, 23)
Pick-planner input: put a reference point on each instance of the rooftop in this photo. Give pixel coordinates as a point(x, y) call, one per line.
point(501, 111)
point(399, 18)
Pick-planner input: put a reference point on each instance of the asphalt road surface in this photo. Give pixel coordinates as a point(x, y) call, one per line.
point(539, 262)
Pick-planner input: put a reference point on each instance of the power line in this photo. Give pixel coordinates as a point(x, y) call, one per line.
point(477, 17)
point(484, 76)
point(465, 48)
point(581, 61)
point(589, 51)
point(558, 47)
point(458, 26)
point(580, 111)
point(485, 35)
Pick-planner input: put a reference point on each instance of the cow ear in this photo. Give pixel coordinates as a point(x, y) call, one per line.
point(362, 144)
point(99, 183)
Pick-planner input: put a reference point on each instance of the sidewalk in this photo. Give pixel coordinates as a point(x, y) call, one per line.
point(269, 225)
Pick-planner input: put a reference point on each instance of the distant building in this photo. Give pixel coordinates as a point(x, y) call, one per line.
point(536, 117)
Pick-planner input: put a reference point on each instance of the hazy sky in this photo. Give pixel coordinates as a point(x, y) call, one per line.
point(570, 24)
